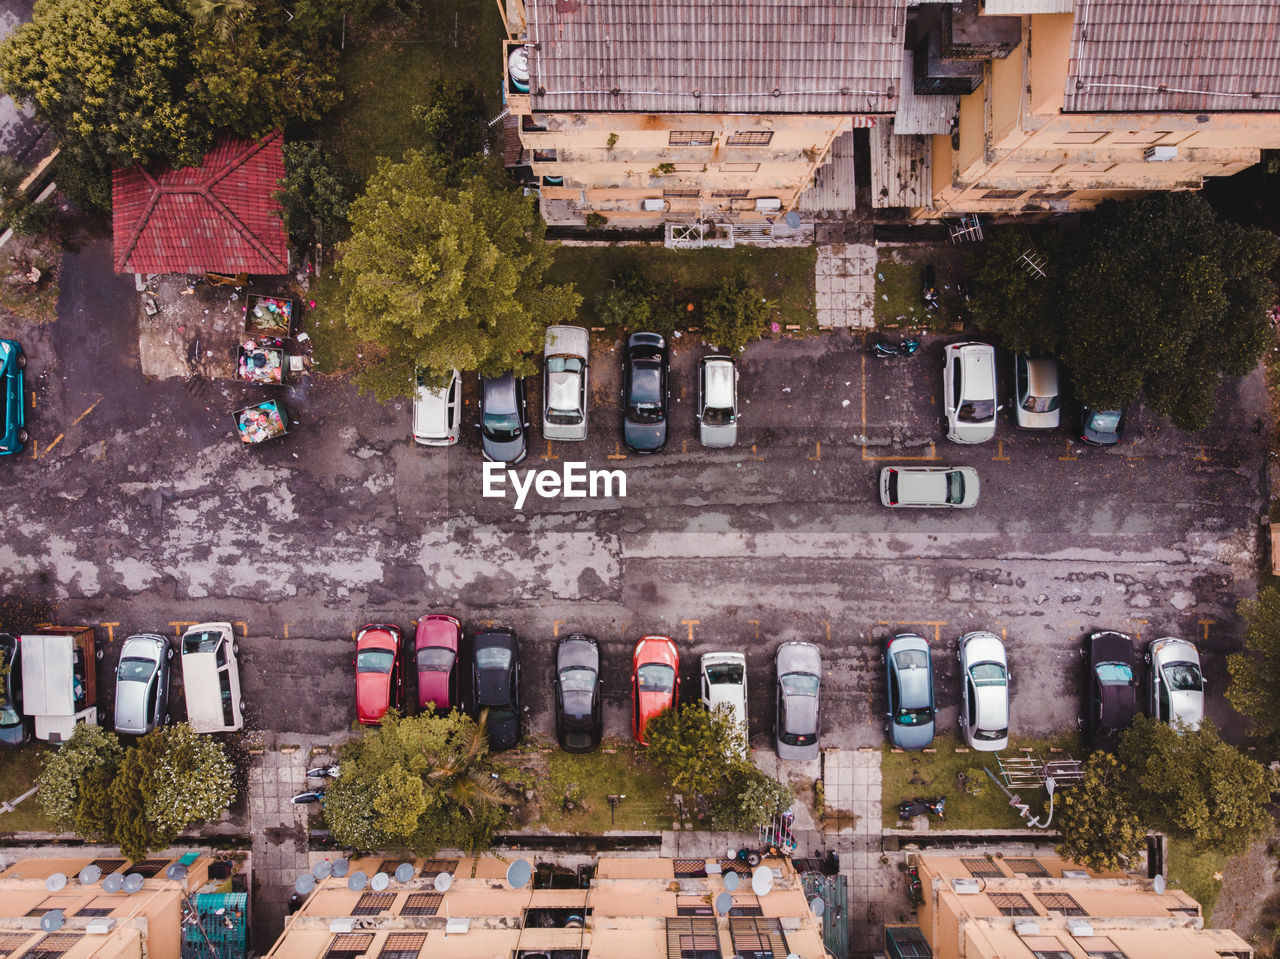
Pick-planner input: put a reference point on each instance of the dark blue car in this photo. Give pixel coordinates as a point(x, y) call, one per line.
point(12, 362)
point(645, 393)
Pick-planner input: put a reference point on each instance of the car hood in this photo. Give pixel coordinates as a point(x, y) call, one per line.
point(644, 437)
point(504, 733)
point(372, 691)
point(512, 451)
point(1186, 706)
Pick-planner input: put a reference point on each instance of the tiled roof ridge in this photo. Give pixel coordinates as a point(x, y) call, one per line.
point(153, 197)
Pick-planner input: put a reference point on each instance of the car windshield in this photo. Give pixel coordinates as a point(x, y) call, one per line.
point(134, 669)
point(493, 657)
point(8, 717)
point(714, 416)
point(200, 642)
point(656, 678)
point(800, 684)
point(976, 411)
point(955, 487)
point(1040, 404)
point(577, 679)
point(1183, 677)
point(375, 661)
point(502, 427)
point(725, 673)
point(1115, 674)
point(501, 715)
point(435, 659)
point(987, 674)
point(911, 658)
point(914, 717)
point(1105, 422)
point(991, 734)
point(564, 417)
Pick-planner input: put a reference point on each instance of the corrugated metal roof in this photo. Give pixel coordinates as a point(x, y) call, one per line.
point(900, 169)
point(833, 189)
point(716, 56)
point(1174, 56)
point(996, 8)
point(922, 114)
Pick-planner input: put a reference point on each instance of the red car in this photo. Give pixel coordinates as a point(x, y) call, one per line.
point(655, 682)
point(379, 677)
point(435, 650)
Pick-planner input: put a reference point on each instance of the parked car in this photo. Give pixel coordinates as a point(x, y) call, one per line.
point(724, 685)
point(495, 684)
point(435, 654)
point(565, 359)
point(927, 487)
point(798, 715)
point(211, 678)
point(1175, 684)
point(909, 680)
point(1035, 392)
point(645, 393)
point(717, 402)
point(14, 729)
point(1101, 427)
point(655, 682)
point(437, 411)
point(504, 419)
point(142, 684)
point(1111, 692)
point(579, 720)
point(60, 680)
point(12, 362)
point(969, 392)
point(379, 672)
point(984, 699)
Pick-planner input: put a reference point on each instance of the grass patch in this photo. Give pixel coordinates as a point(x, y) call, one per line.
point(38, 301)
point(18, 770)
point(1193, 873)
point(588, 779)
point(982, 805)
point(783, 275)
point(898, 301)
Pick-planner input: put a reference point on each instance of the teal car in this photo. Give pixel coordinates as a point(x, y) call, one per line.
point(12, 362)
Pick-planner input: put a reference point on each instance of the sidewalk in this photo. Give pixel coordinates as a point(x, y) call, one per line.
point(845, 286)
point(279, 832)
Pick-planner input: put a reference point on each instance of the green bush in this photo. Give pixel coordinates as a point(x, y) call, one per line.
point(734, 314)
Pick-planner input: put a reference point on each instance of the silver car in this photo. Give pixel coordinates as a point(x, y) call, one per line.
point(724, 685)
point(1035, 393)
point(565, 355)
point(909, 680)
point(984, 698)
point(799, 708)
point(717, 402)
point(1175, 684)
point(929, 486)
point(504, 419)
point(969, 392)
point(437, 412)
point(142, 684)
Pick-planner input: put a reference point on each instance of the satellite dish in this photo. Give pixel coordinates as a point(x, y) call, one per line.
point(404, 872)
point(113, 883)
point(340, 868)
point(357, 881)
point(793, 219)
point(322, 869)
point(55, 882)
point(731, 854)
point(443, 881)
point(52, 920)
point(519, 873)
point(379, 882)
point(817, 905)
point(90, 874)
point(177, 871)
point(133, 883)
point(1158, 884)
point(731, 880)
point(305, 883)
point(724, 902)
point(762, 880)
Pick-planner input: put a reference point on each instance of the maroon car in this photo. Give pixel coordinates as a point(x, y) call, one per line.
point(435, 650)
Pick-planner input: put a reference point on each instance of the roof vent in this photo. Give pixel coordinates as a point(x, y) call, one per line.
point(343, 924)
point(1161, 154)
point(654, 205)
point(1078, 927)
point(100, 927)
point(1074, 874)
point(1025, 927)
point(965, 887)
point(456, 924)
point(768, 203)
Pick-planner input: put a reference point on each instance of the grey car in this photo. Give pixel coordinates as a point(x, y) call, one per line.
point(799, 708)
point(565, 360)
point(909, 674)
point(579, 720)
point(504, 419)
point(142, 684)
point(717, 402)
point(645, 393)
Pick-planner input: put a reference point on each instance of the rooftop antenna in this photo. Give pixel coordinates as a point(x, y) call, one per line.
point(357, 880)
point(340, 868)
point(724, 903)
point(762, 880)
point(379, 882)
point(442, 882)
point(176, 871)
point(323, 869)
point(304, 884)
point(731, 880)
point(519, 873)
point(133, 883)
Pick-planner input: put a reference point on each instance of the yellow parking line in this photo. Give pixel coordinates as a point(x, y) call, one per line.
point(1068, 456)
point(756, 624)
point(753, 453)
point(111, 633)
point(932, 455)
point(86, 412)
point(286, 630)
point(690, 623)
point(817, 452)
point(684, 446)
point(1202, 456)
point(1000, 457)
point(244, 629)
point(617, 453)
point(828, 626)
point(1206, 623)
point(56, 440)
point(550, 455)
point(179, 627)
point(555, 627)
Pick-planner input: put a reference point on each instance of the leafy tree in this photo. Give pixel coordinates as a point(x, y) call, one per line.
point(445, 271)
point(220, 16)
point(315, 198)
point(94, 815)
point(453, 116)
point(752, 800)
point(1194, 786)
point(734, 314)
point(63, 771)
point(134, 830)
point(1100, 829)
point(1011, 302)
point(189, 780)
point(1254, 689)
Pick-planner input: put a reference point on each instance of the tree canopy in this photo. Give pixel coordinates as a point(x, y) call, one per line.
point(1156, 296)
point(63, 772)
point(444, 270)
point(1254, 689)
point(1100, 829)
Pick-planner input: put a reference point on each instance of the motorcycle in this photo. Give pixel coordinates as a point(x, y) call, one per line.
point(910, 808)
point(310, 796)
point(915, 891)
point(884, 349)
point(323, 772)
point(929, 289)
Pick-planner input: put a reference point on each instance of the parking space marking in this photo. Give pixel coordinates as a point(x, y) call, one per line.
point(617, 453)
point(35, 447)
point(828, 628)
point(179, 627)
point(244, 629)
point(550, 455)
point(1202, 456)
point(937, 625)
point(930, 457)
point(756, 624)
point(1068, 456)
point(684, 446)
point(77, 420)
point(1000, 457)
point(555, 628)
point(1206, 623)
point(1137, 633)
point(690, 623)
point(56, 440)
point(286, 630)
point(487, 622)
point(1135, 443)
point(753, 453)
point(111, 632)
point(817, 453)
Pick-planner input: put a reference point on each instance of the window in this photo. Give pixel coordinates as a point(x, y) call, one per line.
point(1190, 911)
point(92, 911)
point(690, 868)
point(1061, 902)
point(1011, 904)
point(148, 867)
point(735, 865)
point(693, 939)
point(348, 945)
point(746, 909)
point(1003, 194)
point(1027, 867)
point(739, 167)
point(693, 906)
point(906, 942)
point(982, 868)
point(757, 938)
point(1080, 136)
point(422, 904)
point(11, 942)
point(224, 688)
point(433, 867)
point(403, 945)
point(544, 156)
point(1100, 947)
point(54, 945)
point(530, 125)
point(372, 903)
point(689, 167)
point(730, 194)
point(108, 866)
point(1052, 194)
point(681, 194)
point(389, 866)
point(750, 138)
point(690, 138)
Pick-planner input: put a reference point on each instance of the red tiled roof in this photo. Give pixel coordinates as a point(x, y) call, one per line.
point(217, 217)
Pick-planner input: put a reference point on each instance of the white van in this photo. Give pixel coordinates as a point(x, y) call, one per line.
point(211, 678)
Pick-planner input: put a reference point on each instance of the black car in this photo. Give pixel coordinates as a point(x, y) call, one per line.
point(495, 684)
point(14, 729)
point(579, 723)
point(504, 419)
point(1101, 427)
point(645, 393)
point(1111, 692)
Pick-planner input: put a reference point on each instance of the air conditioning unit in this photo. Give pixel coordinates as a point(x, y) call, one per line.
point(1074, 874)
point(100, 927)
point(1078, 927)
point(456, 925)
point(1025, 927)
point(768, 203)
point(345, 924)
point(965, 887)
point(654, 205)
point(1160, 154)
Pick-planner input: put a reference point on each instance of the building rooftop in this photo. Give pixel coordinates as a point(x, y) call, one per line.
point(727, 56)
point(1179, 56)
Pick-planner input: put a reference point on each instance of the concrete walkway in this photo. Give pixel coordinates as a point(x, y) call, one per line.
point(279, 831)
point(845, 286)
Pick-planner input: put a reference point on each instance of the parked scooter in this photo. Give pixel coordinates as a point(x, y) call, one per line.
point(323, 772)
point(910, 808)
point(929, 289)
point(915, 891)
point(884, 349)
point(313, 795)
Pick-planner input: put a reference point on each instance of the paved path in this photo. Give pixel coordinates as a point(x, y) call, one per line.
point(845, 286)
point(279, 831)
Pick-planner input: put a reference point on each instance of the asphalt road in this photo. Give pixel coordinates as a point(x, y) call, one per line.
point(136, 509)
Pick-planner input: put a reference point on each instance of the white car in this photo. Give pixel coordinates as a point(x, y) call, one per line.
point(717, 402)
point(1175, 684)
point(565, 354)
point(969, 392)
point(724, 684)
point(437, 413)
point(984, 698)
point(929, 486)
point(211, 678)
point(1036, 395)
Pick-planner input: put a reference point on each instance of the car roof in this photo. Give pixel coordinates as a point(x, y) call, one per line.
point(1042, 376)
point(719, 382)
point(799, 657)
point(917, 485)
point(978, 363)
point(500, 394)
point(992, 707)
